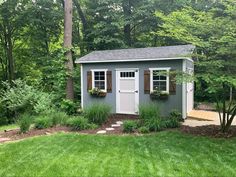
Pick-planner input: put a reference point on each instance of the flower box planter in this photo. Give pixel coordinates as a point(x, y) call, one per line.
point(97, 93)
point(101, 94)
point(159, 97)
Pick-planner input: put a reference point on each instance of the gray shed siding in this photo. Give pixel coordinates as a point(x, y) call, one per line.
point(173, 102)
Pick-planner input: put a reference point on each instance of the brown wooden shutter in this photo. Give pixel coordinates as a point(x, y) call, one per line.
point(172, 82)
point(109, 81)
point(147, 82)
point(89, 80)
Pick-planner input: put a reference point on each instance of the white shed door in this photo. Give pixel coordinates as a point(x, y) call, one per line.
point(127, 91)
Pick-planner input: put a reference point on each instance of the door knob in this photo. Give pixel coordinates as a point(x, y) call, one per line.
point(136, 91)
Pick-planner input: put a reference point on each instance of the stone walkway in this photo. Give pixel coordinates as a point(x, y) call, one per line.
point(112, 128)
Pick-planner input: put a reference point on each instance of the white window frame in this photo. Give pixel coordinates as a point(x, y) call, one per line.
point(167, 78)
point(93, 80)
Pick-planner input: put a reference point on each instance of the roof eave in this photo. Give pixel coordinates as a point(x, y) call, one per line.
point(150, 59)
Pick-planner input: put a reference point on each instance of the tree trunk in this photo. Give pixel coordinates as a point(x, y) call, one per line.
point(127, 27)
point(68, 44)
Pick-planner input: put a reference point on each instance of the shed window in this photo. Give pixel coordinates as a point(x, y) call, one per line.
point(160, 79)
point(99, 79)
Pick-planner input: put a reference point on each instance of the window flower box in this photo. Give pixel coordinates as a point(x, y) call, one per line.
point(157, 95)
point(97, 93)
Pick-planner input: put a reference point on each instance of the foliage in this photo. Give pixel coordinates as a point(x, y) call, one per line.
point(129, 126)
point(58, 118)
point(147, 111)
point(69, 106)
point(97, 92)
point(78, 123)
point(97, 113)
point(23, 98)
point(150, 117)
point(25, 122)
point(42, 122)
point(213, 34)
point(143, 129)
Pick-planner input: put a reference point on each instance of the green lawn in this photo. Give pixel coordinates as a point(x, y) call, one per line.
point(162, 154)
point(8, 127)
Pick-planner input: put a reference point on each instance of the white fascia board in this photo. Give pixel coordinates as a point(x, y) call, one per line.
point(128, 60)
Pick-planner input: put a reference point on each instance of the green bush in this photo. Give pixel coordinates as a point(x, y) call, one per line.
point(43, 122)
point(148, 111)
point(69, 106)
point(24, 123)
point(78, 123)
point(97, 113)
point(150, 117)
point(143, 129)
point(154, 124)
point(129, 126)
point(58, 118)
point(21, 98)
point(173, 121)
point(176, 115)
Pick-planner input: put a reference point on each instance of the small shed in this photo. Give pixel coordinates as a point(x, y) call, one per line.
point(127, 78)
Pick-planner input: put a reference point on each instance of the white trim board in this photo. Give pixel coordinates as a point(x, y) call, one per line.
point(184, 93)
point(134, 60)
point(82, 86)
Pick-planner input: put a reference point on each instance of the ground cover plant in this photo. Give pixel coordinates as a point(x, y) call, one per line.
point(167, 153)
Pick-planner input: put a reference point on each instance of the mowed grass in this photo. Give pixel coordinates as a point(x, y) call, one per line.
point(168, 153)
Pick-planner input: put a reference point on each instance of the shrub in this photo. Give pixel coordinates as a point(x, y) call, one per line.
point(78, 123)
point(143, 129)
point(24, 123)
point(176, 115)
point(154, 124)
point(23, 98)
point(97, 113)
point(129, 126)
point(148, 111)
point(173, 121)
point(69, 106)
point(43, 122)
point(58, 118)
point(150, 117)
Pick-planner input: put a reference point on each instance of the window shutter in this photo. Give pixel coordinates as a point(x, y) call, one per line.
point(147, 82)
point(172, 82)
point(89, 80)
point(109, 81)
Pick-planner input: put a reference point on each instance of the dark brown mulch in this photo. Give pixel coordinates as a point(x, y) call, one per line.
point(209, 131)
point(16, 135)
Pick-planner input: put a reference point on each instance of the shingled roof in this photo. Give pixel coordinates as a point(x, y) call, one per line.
point(138, 54)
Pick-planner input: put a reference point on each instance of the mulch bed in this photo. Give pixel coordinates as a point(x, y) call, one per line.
point(209, 131)
point(16, 135)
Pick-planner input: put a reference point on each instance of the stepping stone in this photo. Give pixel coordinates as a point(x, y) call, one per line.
point(115, 125)
point(119, 122)
point(4, 139)
point(101, 132)
point(110, 129)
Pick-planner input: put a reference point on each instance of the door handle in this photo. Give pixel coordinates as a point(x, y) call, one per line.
point(136, 91)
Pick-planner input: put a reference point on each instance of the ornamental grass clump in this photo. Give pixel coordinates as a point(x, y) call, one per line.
point(97, 113)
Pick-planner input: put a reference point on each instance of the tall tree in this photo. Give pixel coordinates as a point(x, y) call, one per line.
point(68, 45)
